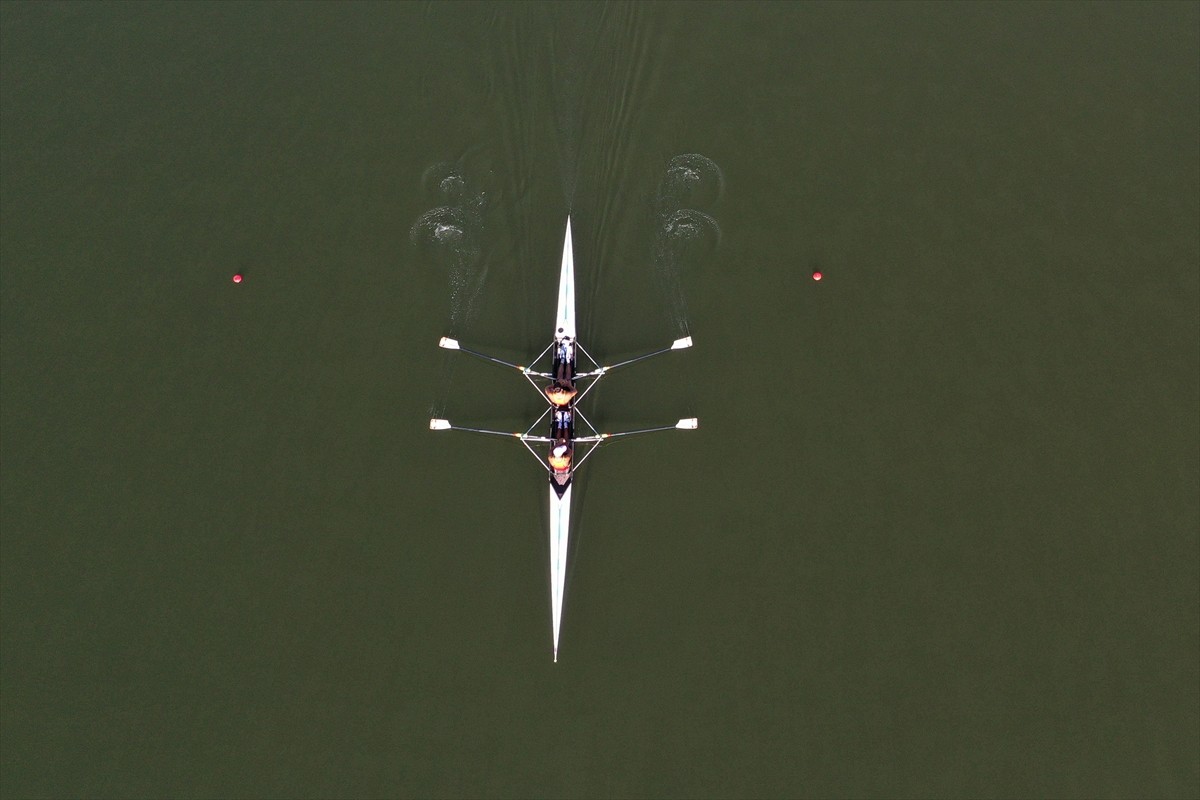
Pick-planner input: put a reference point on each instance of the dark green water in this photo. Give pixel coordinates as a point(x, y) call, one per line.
point(937, 535)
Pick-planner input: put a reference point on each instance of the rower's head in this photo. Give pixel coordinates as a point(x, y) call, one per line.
point(558, 394)
point(560, 457)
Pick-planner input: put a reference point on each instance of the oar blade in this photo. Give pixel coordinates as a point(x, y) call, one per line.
point(448, 343)
point(689, 424)
point(680, 344)
point(439, 425)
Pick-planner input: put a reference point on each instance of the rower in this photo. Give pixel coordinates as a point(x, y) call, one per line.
point(564, 360)
point(560, 457)
point(562, 427)
point(563, 391)
point(560, 393)
point(561, 434)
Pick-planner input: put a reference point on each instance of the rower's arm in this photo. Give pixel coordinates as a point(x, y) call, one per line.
point(446, 343)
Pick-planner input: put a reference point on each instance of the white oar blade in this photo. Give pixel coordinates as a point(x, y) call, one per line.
point(689, 424)
point(439, 424)
point(680, 344)
point(448, 343)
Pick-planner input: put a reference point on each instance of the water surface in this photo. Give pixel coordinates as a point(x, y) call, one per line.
point(937, 534)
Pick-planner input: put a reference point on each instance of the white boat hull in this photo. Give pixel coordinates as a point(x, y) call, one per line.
point(560, 527)
point(560, 507)
point(563, 393)
point(564, 324)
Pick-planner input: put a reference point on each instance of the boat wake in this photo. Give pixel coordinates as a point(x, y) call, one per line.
point(450, 237)
point(685, 235)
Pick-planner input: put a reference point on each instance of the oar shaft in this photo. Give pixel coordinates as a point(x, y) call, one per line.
point(639, 358)
point(678, 344)
point(494, 360)
point(644, 430)
point(603, 437)
point(507, 434)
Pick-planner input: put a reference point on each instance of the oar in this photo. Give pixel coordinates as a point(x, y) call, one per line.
point(444, 425)
point(447, 343)
point(689, 424)
point(678, 344)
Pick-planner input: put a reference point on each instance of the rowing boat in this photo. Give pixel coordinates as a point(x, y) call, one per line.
point(562, 396)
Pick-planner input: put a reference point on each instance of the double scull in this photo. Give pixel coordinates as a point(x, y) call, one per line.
point(566, 388)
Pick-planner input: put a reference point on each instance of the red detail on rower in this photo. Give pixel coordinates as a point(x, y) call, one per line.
point(817, 276)
point(237, 278)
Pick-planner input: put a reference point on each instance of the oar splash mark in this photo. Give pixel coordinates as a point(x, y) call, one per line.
point(690, 181)
point(685, 235)
point(450, 236)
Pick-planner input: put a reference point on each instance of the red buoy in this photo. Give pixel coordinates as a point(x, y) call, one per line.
point(816, 276)
point(237, 278)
